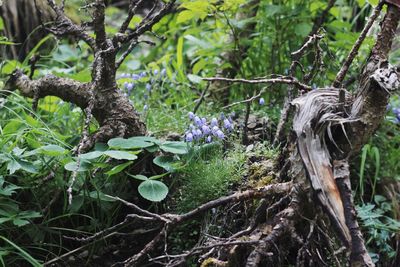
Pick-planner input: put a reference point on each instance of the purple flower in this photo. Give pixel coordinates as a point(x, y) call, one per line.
point(124, 75)
point(398, 116)
point(214, 122)
point(209, 139)
point(155, 72)
point(205, 129)
point(214, 130)
point(222, 116)
point(203, 120)
point(128, 86)
point(198, 121)
point(220, 134)
point(135, 77)
point(163, 72)
point(145, 107)
point(129, 91)
point(197, 134)
point(191, 115)
point(227, 124)
point(189, 137)
point(142, 74)
point(148, 87)
point(261, 101)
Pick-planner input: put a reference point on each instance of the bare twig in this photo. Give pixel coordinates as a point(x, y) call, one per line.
point(251, 99)
point(239, 196)
point(145, 25)
point(65, 26)
point(200, 100)
point(172, 220)
point(245, 138)
point(284, 80)
point(140, 210)
point(133, 5)
point(296, 56)
point(132, 46)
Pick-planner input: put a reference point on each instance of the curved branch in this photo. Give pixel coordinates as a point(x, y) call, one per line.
point(66, 89)
point(65, 27)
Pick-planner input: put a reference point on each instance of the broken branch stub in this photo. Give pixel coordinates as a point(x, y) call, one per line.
point(328, 130)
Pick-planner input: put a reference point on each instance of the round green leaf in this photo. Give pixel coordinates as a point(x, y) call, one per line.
point(91, 155)
point(72, 166)
point(131, 143)
point(174, 147)
point(153, 190)
point(120, 154)
point(165, 162)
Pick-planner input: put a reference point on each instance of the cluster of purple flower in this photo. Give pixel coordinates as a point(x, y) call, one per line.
point(396, 113)
point(137, 77)
point(203, 131)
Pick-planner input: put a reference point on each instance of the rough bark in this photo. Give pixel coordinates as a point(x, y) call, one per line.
point(113, 111)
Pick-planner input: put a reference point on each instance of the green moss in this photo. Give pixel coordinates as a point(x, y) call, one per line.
point(207, 176)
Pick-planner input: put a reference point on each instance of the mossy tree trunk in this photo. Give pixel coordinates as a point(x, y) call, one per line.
point(101, 96)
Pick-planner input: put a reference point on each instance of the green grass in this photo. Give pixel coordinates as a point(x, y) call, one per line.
point(207, 176)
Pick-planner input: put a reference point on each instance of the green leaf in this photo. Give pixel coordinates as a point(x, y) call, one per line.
point(131, 143)
point(273, 9)
point(12, 127)
point(116, 154)
point(91, 155)
point(83, 166)
point(7, 190)
point(52, 150)
point(18, 151)
point(101, 196)
point(76, 204)
point(13, 166)
point(184, 16)
point(100, 147)
point(153, 190)
point(179, 57)
point(119, 168)
point(23, 253)
point(166, 162)
point(174, 147)
point(82, 76)
point(152, 149)
point(139, 177)
point(20, 222)
point(27, 166)
point(195, 78)
point(302, 29)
